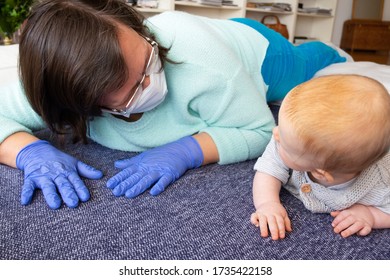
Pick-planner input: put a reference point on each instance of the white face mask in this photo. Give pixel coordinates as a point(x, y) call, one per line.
point(153, 95)
point(146, 99)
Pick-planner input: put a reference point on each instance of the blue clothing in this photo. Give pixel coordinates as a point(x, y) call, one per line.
point(303, 61)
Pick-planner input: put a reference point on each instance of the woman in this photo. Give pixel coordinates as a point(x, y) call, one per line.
point(183, 90)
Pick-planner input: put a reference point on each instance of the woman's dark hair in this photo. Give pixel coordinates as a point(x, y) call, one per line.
point(70, 57)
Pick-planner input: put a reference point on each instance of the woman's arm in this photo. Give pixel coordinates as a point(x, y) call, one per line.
point(208, 147)
point(39, 161)
point(17, 121)
point(12, 145)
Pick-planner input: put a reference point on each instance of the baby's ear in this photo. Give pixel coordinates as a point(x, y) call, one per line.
point(275, 133)
point(322, 175)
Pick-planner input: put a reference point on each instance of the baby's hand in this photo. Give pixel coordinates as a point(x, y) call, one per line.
point(355, 219)
point(272, 216)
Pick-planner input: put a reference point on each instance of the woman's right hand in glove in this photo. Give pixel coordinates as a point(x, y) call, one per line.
point(56, 173)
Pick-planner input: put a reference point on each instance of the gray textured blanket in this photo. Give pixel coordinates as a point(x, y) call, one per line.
point(204, 215)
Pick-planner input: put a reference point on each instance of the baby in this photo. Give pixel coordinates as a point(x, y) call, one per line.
point(330, 150)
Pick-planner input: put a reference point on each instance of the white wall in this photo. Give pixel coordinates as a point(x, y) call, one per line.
point(344, 12)
point(386, 10)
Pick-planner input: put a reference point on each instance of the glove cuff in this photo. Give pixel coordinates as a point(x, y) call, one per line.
point(194, 150)
point(26, 151)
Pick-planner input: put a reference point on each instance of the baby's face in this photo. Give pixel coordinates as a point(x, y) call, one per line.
point(291, 150)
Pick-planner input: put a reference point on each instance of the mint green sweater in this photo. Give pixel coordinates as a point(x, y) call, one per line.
point(216, 88)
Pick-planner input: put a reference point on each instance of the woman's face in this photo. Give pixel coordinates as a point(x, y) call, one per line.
point(136, 52)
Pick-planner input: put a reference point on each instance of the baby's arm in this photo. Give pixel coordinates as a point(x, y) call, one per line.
point(359, 219)
point(270, 213)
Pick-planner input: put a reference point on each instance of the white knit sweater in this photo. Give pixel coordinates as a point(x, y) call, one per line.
point(371, 187)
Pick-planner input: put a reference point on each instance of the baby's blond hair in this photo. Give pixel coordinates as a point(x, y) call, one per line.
point(344, 120)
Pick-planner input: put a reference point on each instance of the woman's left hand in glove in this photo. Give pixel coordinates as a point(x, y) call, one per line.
point(156, 168)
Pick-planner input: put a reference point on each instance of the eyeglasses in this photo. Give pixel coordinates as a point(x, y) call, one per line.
point(153, 58)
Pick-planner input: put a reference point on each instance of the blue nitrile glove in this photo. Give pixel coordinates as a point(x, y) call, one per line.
point(49, 169)
point(160, 167)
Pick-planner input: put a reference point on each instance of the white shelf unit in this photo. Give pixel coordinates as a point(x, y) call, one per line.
point(211, 11)
point(192, 7)
point(287, 18)
point(319, 27)
point(163, 6)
